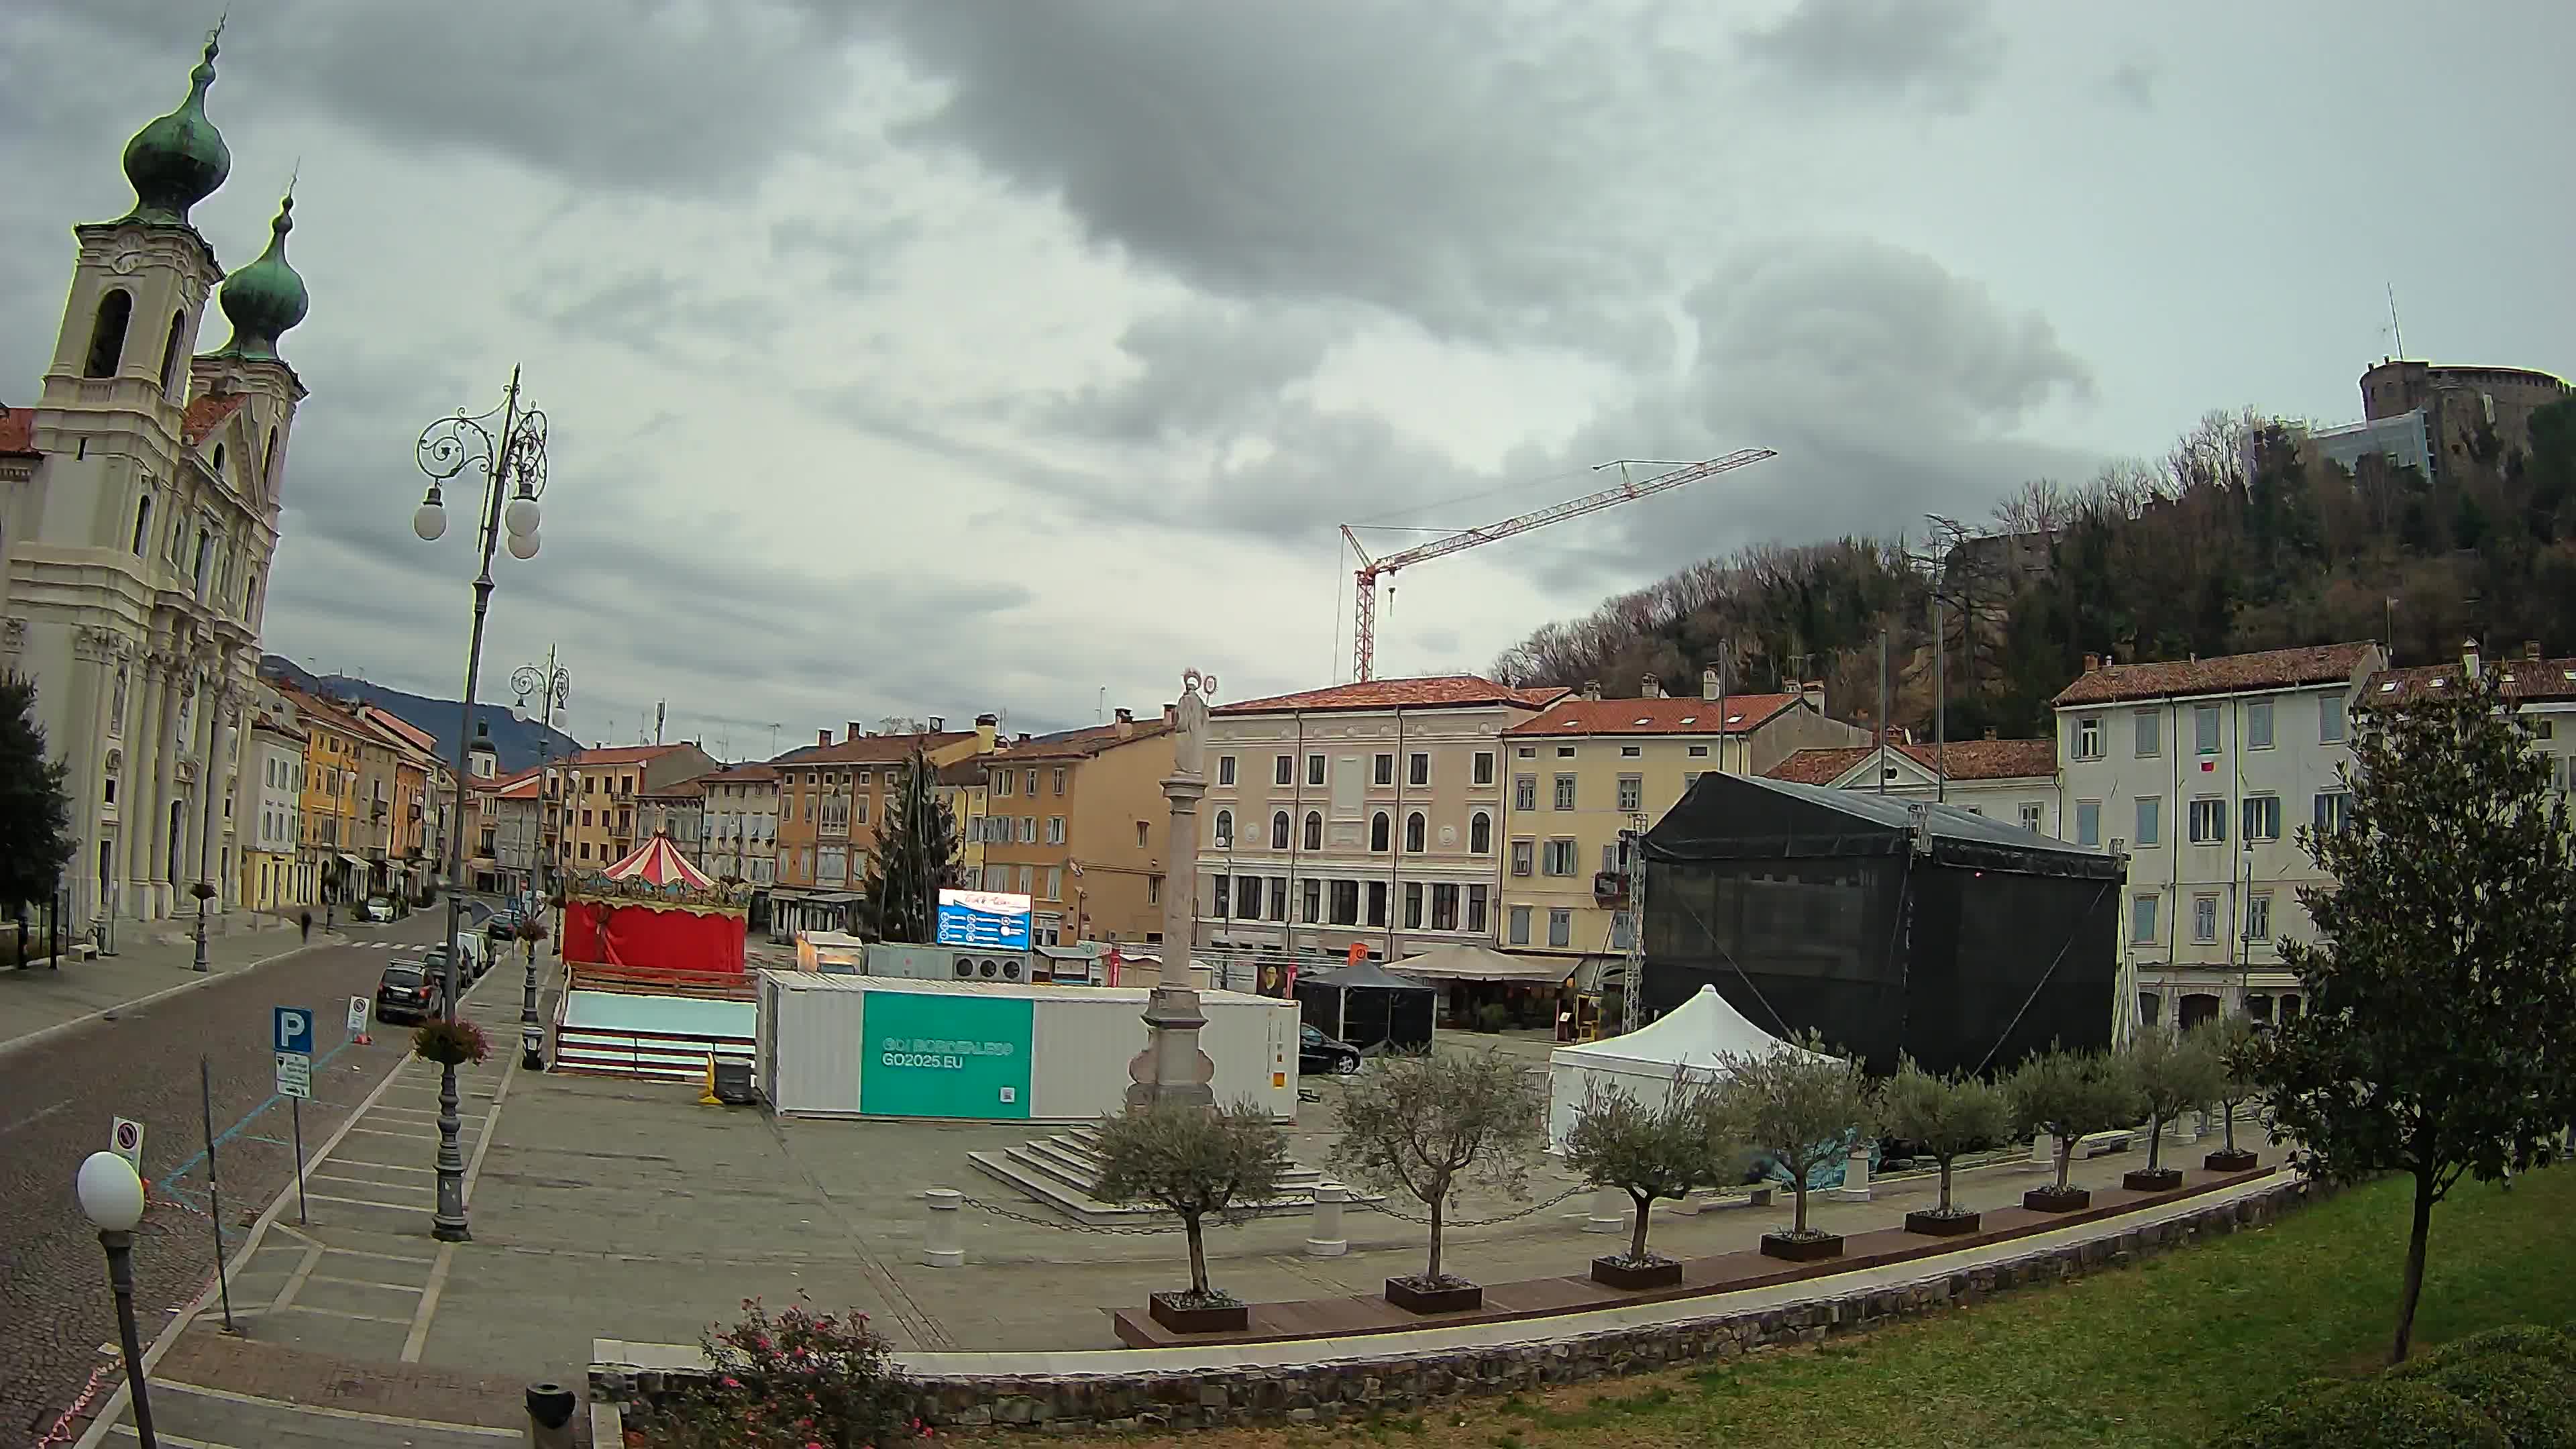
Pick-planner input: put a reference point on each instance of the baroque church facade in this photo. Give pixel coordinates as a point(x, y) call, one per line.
point(139, 507)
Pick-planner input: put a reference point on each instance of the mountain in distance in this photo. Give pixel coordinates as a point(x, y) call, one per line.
point(519, 743)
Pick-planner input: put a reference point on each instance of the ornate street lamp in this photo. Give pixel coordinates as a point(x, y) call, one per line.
point(514, 476)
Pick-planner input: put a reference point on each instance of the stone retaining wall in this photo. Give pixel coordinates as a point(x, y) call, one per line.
point(1407, 1382)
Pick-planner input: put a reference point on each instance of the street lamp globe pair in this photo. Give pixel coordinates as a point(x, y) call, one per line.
point(520, 519)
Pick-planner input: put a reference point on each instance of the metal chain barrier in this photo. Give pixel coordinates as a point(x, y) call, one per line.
point(1446, 1223)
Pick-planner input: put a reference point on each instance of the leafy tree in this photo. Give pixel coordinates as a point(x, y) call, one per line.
point(1425, 1126)
point(915, 858)
point(2440, 1035)
point(35, 815)
point(1946, 1117)
point(1192, 1162)
point(1797, 1105)
point(2069, 1094)
point(2232, 1040)
point(1650, 1152)
point(2173, 1074)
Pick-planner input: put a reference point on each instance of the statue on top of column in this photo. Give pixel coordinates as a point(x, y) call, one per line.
point(1189, 738)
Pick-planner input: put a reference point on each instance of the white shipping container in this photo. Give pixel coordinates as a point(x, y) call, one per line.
point(815, 1058)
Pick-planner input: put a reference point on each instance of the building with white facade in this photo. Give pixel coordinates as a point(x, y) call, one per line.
point(741, 812)
point(2009, 780)
point(270, 813)
point(2539, 689)
point(2201, 771)
point(139, 506)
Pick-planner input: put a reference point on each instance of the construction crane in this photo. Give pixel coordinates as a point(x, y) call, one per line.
point(1364, 619)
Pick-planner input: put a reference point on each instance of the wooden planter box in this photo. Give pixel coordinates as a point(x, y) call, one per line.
point(1616, 1273)
point(1219, 1318)
point(1458, 1298)
point(1934, 1225)
point(2050, 1200)
point(2223, 1160)
point(1802, 1250)
point(2156, 1179)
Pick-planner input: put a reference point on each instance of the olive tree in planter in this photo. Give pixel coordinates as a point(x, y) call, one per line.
point(1426, 1126)
point(2173, 1074)
point(1947, 1118)
point(1799, 1106)
point(1665, 1151)
point(1193, 1163)
point(2068, 1094)
point(2232, 1040)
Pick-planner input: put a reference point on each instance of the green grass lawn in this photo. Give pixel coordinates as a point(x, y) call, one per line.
point(2166, 1353)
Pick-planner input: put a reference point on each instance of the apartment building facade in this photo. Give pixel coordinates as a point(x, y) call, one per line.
point(2201, 771)
point(1585, 770)
point(964, 788)
point(1368, 814)
point(275, 875)
point(742, 826)
point(2011, 780)
point(334, 833)
point(677, 810)
point(832, 800)
point(2539, 689)
point(1077, 822)
point(600, 804)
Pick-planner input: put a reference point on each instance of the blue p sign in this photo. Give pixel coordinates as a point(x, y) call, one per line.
point(294, 1030)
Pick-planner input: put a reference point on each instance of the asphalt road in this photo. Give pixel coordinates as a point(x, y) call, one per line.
point(55, 1103)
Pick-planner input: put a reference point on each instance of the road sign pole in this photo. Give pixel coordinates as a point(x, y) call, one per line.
point(295, 1108)
point(214, 1190)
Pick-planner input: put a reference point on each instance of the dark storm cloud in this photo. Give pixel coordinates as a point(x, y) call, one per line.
point(1201, 366)
point(1935, 53)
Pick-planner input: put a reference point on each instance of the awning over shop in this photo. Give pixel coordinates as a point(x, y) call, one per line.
point(1476, 963)
point(354, 862)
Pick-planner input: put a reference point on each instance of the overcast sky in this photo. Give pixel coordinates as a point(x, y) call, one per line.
point(928, 359)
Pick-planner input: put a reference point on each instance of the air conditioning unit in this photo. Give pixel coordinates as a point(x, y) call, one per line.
point(946, 963)
point(1011, 970)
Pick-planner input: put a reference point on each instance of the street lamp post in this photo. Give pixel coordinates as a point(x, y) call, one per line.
point(514, 476)
point(554, 685)
point(111, 1197)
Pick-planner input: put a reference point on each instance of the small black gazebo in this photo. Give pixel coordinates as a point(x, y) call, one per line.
point(1367, 1006)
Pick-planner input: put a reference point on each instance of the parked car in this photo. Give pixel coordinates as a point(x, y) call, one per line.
point(407, 992)
point(378, 908)
point(1318, 1053)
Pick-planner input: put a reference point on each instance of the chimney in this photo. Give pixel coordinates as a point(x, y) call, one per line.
point(939, 724)
point(2531, 649)
point(1171, 716)
point(2469, 659)
point(988, 731)
point(1592, 689)
point(2092, 663)
point(856, 732)
point(1708, 684)
point(822, 737)
point(1652, 688)
point(1990, 732)
point(1814, 694)
point(1023, 739)
point(1126, 723)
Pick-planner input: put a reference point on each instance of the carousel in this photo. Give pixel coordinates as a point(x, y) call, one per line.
point(653, 958)
point(653, 911)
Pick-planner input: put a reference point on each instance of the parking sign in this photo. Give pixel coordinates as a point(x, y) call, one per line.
point(294, 1030)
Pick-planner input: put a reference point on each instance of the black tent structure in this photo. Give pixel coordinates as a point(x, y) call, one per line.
point(1368, 1006)
point(1889, 925)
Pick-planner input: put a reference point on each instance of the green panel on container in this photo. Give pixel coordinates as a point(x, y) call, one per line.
point(933, 1054)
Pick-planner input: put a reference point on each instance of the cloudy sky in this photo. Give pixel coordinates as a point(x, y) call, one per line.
point(931, 358)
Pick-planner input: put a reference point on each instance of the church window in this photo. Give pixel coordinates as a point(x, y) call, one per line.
point(107, 334)
point(219, 460)
point(142, 524)
point(170, 352)
point(268, 461)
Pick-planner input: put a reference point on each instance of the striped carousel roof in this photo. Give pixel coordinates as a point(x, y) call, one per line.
point(657, 862)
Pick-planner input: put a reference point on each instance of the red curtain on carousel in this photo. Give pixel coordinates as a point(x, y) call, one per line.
point(646, 938)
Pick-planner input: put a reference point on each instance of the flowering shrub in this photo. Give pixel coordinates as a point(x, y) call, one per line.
point(450, 1043)
point(793, 1380)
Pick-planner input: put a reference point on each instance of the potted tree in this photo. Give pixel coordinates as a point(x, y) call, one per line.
point(2068, 1094)
point(1799, 1107)
point(2172, 1074)
point(1666, 1151)
point(2233, 1041)
point(1426, 1126)
point(1192, 1163)
point(1946, 1118)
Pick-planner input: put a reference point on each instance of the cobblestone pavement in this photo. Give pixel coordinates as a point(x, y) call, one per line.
point(55, 1101)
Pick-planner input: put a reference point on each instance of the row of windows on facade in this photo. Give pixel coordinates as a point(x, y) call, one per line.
point(2257, 925)
point(1417, 767)
point(218, 553)
point(1331, 902)
point(1417, 826)
point(2147, 729)
point(2206, 824)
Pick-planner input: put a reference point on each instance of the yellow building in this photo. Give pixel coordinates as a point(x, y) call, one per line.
point(964, 787)
point(1585, 769)
point(1077, 823)
point(331, 829)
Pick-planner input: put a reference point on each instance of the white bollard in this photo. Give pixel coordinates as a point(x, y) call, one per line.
point(1855, 1186)
point(1612, 1212)
point(1325, 1237)
point(2180, 1129)
point(942, 1245)
point(2043, 1150)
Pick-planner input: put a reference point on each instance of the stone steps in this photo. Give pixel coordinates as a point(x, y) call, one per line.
point(1063, 1172)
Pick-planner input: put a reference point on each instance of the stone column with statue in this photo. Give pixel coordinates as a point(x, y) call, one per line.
point(1172, 1067)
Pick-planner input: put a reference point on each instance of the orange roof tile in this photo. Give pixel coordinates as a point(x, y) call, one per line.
point(1436, 691)
point(745, 774)
point(2226, 674)
point(1968, 760)
point(1084, 743)
point(207, 413)
point(871, 749)
point(1573, 716)
point(621, 755)
point(2519, 679)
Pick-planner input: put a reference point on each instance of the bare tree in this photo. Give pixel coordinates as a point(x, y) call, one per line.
point(1193, 1163)
point(1425, 1126)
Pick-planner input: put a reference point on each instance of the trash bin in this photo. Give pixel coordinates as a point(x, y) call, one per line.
point(733, 1082)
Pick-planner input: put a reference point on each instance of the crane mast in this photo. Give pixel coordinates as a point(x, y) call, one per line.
point(1364, 607)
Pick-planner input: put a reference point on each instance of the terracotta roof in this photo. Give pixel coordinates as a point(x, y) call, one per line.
point(2226, 674)
point(1968, 760)
point(677, 788)
point(2520, 679)
point(326, 711)
point(748, 774)
point(523, 788)
point(276, 726)
point(1574, 716)
point(621, 755)
point(1082, 744)
point(207, 413)
point(411, 734)
point(968, 771)
point(18, 431)
point(872, 749)
point(1443, 690)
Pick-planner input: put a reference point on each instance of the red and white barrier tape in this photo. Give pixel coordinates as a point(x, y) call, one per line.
point(99, 1378)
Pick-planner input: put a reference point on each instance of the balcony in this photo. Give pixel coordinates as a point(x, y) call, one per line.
point(1610, 888)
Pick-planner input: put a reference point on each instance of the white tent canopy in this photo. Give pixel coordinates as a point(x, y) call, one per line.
point(1686, 1042)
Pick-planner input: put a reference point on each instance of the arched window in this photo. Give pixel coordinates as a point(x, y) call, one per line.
point(1413, 832)
point(1480, 833)
point(268, 461)
point(1378, 831)
point(142, 524)
point(170, 352)
point(1225, 827)
point(219, 460)
point(1279, 831)
point(107, 336)
point(1314, 830)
